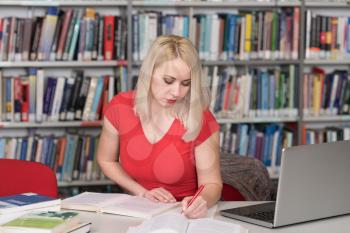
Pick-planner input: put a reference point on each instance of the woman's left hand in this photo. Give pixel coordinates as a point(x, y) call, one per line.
point(198, 208)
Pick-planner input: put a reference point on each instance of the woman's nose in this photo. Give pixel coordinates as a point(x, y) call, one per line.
point(176, 90)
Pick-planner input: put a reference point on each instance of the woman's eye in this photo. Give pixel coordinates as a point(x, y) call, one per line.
point(168, 81)
point(187, 83)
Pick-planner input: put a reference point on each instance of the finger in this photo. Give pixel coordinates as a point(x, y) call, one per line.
point(184, 202)
point(162, 195)
point(168, 194)
point(156, 194)
point(200, 211)
point(150, 197)
point(198, 214)
point(198, 203)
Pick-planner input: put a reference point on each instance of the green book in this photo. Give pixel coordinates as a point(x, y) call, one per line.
point(42, 222)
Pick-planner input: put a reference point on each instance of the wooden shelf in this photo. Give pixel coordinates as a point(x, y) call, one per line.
point(327, 4)
point(63, 64)
point(235, 4)
point(312, 62)
point(340, 118)
point(77, 183)
point(64, 3)
point(257, 120)
point(51, 124)
point(287, 3)
point(242, 63)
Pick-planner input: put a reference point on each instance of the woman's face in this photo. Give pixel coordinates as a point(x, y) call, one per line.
point(170, 82)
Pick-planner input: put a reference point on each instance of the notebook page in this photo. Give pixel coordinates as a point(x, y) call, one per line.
point(137, 206)
point(214, 226)
point(92, 199)
point(165, 223)
point(210, 214)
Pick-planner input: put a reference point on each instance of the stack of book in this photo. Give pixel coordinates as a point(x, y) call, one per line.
point(15, 205)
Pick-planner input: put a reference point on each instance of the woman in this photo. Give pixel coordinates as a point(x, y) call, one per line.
point(162, 134)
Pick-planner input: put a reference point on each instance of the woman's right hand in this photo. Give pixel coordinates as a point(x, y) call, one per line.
point(159, 195)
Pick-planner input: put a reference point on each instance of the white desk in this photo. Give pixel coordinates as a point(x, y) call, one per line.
point(105, 223)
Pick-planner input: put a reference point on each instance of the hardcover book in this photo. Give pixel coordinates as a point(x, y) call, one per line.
point(25, 201)
point(116, 203)
point(46, 222)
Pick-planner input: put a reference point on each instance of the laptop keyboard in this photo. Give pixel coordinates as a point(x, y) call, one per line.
point(266, 216)
point(263, 212)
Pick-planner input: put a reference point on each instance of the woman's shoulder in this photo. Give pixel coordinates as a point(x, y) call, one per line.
point(125, 98)
point(208, 115)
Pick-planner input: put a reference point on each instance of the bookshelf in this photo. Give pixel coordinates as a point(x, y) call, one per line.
point(187, 9)
point(81, 130)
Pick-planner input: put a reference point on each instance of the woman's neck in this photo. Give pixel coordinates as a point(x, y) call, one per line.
point(158, 111)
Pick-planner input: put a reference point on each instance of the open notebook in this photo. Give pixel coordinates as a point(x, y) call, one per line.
point(116, 203)
point(177, 223)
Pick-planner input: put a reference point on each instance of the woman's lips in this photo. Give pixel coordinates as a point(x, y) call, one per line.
point(171, 101)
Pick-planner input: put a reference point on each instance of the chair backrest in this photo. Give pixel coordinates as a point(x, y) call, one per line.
point(18, 176)
point(248, 176)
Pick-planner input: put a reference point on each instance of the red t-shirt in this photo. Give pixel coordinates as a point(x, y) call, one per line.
point(168, 163)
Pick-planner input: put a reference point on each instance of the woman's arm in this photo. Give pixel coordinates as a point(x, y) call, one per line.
point(107, 158)
point(207, 157)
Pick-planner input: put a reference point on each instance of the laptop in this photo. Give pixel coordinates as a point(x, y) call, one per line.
point(314, 183)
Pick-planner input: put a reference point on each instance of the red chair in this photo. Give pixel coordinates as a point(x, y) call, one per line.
point(245, 179)
point(229, 193)
point(18, 176)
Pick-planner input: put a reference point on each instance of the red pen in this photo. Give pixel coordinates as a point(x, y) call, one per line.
point(195, 196)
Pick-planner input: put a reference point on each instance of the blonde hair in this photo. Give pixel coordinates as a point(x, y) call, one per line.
point(190, 110)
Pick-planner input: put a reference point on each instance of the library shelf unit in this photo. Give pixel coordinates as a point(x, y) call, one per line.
point(84, 129)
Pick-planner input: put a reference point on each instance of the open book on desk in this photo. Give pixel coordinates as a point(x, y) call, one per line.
point(116, 203)
point(178, 223)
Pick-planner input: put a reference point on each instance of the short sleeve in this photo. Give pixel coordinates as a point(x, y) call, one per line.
point(120, 112)
point(111, 112)
point(210, 126)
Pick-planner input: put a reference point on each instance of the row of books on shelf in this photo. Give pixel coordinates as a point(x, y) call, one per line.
point(63, 34)
point(146, 26)
point(35, 98)
point(256, 93)
point(326, 93)
point(327, 37)
point(71, 157)
point(241, 35)
point(327, 134)
point(263, 142)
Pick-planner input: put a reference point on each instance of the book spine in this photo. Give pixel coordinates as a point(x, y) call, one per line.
point(32, 95)
point(89, 98)
point(68, 92)
point(25, 99)
point(78, 76)
point(64, 33)
point(96, 100)
point(108, 37)
point(74, 41)
point(35, 44)
point(47, 33)
point(70, 32)
point(79, 107)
